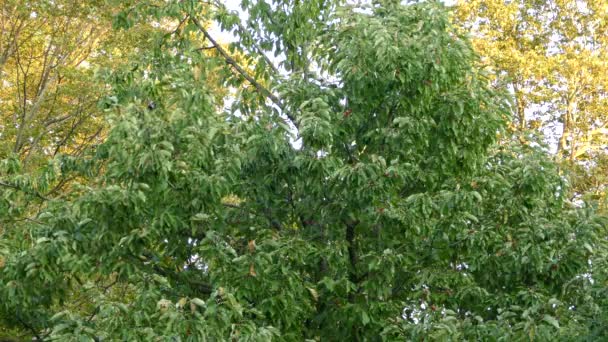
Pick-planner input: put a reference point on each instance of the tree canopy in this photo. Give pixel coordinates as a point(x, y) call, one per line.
point(359, 184)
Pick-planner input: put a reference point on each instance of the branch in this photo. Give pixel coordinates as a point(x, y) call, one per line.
point(30, 328)
point(202, 286)
point(59, 185)
point(352, 252)
point(274, 223)
point(205, 48)
point(230, 61)
point(30, 192)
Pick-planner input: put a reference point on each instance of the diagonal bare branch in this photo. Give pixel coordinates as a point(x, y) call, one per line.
point(230, 61)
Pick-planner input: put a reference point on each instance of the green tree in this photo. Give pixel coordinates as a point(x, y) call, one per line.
point(356, 191)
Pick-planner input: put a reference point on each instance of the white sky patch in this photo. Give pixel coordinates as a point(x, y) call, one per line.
point(225, 36)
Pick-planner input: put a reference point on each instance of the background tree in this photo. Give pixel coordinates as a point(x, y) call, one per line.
point(49, 95)
point(553, 55)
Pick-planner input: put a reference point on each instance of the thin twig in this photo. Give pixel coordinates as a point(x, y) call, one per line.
point(30, 328)
point(30, 192)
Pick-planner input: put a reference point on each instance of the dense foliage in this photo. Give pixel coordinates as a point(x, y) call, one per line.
point(363, 189)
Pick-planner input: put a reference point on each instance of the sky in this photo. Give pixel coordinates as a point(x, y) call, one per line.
point(224, 36)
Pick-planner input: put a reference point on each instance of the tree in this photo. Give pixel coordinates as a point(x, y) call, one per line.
point(49, 96)
point(355, 192)
point(553, 56)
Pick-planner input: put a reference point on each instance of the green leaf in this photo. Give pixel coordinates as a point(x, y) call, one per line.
point(551, 320)
point(365, 318)
point(198, 302)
